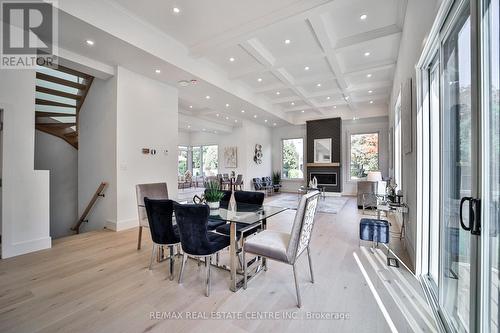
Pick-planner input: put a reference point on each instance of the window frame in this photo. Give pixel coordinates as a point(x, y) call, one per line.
point(349, 147)
point(303, 159)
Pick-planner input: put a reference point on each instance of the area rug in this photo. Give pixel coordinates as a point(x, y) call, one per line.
point(329, 205)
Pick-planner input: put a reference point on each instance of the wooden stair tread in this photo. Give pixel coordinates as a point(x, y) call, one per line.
point(57, 93)
point(58, 80)
point(60, 125)
point(44, 114)
point(41, 101)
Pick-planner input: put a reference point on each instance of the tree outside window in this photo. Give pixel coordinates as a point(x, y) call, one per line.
point(364, 154)
point(293, 158)
point(210, 160)
point(182, 160)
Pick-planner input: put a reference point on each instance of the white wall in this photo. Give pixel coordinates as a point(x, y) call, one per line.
point(25, 191)
point(364, 125)
point(244, 138)
point(147, 117)
point(97, 152)
point(420, 15)
point(61, 159)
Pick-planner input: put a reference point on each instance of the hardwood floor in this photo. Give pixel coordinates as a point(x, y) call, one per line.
point(99, 282)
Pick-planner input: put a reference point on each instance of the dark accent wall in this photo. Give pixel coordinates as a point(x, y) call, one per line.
point(325, 129)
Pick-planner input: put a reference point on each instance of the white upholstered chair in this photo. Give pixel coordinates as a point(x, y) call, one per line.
point(151, 191)
point(284, 247)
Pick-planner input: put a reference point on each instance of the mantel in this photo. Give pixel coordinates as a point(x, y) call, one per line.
point(319, 165)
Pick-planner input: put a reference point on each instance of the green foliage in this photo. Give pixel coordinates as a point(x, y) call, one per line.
point(295, 174)
point(291, 160)
point(364, 154)
point(210, 159)
point(276, 177)
point(213, 192)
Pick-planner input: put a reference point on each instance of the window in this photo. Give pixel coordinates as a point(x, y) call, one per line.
point(292, 158)
point(182, 160)
point(210, 158)
point(197, 165)
point(364, 154)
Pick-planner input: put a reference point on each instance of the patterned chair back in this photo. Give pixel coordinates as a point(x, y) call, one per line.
point(257, 183)
point(239, 179)
point(151, 191)
point(300, 236)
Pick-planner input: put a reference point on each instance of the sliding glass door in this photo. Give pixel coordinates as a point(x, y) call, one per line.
point(490, 37)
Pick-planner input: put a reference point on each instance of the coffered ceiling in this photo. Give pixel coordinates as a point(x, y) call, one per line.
point(308, 58)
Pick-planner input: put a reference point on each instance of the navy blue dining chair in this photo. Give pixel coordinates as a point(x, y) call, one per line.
point(196, 240)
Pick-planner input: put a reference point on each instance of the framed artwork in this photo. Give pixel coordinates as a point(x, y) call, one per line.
point(230, 157)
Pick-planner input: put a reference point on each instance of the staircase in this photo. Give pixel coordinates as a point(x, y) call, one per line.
point(60, 94)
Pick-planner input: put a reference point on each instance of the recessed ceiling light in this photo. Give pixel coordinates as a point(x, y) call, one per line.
point(236, 120)
point(277, 93)
point(215, 132)
point(255, 116)
point(371, 102)
point(306, 68)
point(217, 115)
point(303, 111)
point(370, 91)
point(347, 98)
point(227, 105)
point(157, 71)
point(203, 130)
point(189, 126)
point(190, 106)
point(287, 41)
point(354, 118)
point(318, 85)
point(274, 124)
point(368, 75)
point(367, 54)
point(227, 118)
point(328, 98)
point(259, 79)
point(207, 97)
point(265, 120)
point(363, 17)
point(90, 42)
point(231, 59)
point(335, 106)
point(176, 10)
point(292, 104)
point(242, 111)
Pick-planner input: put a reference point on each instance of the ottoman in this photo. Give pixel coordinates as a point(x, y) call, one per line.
point(374, 230)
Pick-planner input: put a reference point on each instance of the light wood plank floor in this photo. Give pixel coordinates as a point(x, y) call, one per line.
point(99, 282)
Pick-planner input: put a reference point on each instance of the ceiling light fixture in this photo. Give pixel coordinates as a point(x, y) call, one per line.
point(292, 104)
point(242, 111)
point(176, 10)
point(215, 132)
point(274, 124)
point(227, 118)
point(157, 71)
point(354, 118)
point(328, 98)
point(207, 97)
point(371, 102)
point(255, 116)
point(190, 106)
point(189, 126)
point(318, 85)
point(203, 130)
point(90, 42)
point(265, 120)
point(236, 120)
point(231, 59)
point(363, 17)
point(368, 75)
point(303, 111)
point(367, 54)
point(259, 79)
point(277, 93)
point(306, 68)
point(370, 91)
point(335, 106)
point(227, 105)
point(287, 41)
point(217, 115)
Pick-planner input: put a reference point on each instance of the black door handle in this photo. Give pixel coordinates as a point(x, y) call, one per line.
point(464, 199)
point(474, 215)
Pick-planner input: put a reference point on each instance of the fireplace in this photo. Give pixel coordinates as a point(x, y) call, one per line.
point(324, 178)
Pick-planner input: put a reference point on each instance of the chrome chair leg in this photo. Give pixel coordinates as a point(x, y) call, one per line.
point(184, 259)
point(153, 251)
point(208, 263)
point(172, 258)
point(299, 303)
point(244, 268)
point(310, 264)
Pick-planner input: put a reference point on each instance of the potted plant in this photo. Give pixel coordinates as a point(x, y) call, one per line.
point(213, 195)
point(276, 180)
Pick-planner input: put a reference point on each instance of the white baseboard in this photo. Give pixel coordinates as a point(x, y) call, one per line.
point(17, 249)
point(121, 225)
point(333, 194)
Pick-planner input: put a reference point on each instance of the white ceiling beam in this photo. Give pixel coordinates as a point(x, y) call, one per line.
point(371, 85)
point(385, 66)
point(367, 36)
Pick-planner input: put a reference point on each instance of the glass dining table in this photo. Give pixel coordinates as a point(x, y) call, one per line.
point(251, 216)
